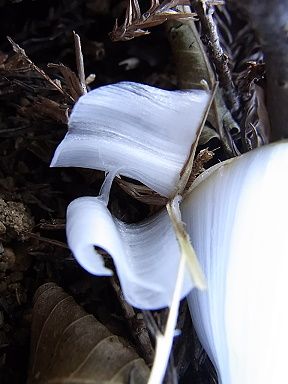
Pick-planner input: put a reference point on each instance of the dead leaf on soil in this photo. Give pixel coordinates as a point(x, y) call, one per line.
point(70, 346)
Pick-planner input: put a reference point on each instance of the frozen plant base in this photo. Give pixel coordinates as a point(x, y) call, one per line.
point(237, 219)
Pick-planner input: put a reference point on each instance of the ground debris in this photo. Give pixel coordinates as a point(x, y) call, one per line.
point(15, 220)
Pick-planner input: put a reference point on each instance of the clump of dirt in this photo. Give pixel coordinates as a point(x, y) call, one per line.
point(15, 220)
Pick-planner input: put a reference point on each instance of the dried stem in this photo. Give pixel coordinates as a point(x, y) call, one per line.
point(188, 166)
point(80, 62)
point(154, 329)
point(46, 240)
point(205, 12)
point(136, 325)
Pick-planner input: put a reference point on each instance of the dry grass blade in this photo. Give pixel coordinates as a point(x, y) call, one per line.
point(164, 341)
point(188, 167)
point(136, 24)
point(70, 346)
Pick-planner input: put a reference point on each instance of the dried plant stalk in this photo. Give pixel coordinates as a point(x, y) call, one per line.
point(70, 346)
point(205, 12)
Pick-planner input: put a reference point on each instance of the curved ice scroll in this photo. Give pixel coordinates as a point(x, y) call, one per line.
point(237, 219)
point(146, 254)
point(146, 131)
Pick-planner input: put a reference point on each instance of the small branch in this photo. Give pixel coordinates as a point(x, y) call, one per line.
point(47, 240)
point(205, 12)
point(80, 62)
point(136, 325)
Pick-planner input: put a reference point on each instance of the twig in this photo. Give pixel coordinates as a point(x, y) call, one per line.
point(205, 12)
point(136, 325)
point(47, 240)
point(80, 62)
point(20, 51)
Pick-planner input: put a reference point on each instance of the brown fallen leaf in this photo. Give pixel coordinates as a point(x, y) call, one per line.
point(70, 346)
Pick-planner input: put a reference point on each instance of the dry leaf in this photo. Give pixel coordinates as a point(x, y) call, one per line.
point(71, 80)
point(70, 346)
point(207, 135)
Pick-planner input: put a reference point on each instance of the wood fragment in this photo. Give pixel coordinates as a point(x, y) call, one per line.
point(80, 62)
